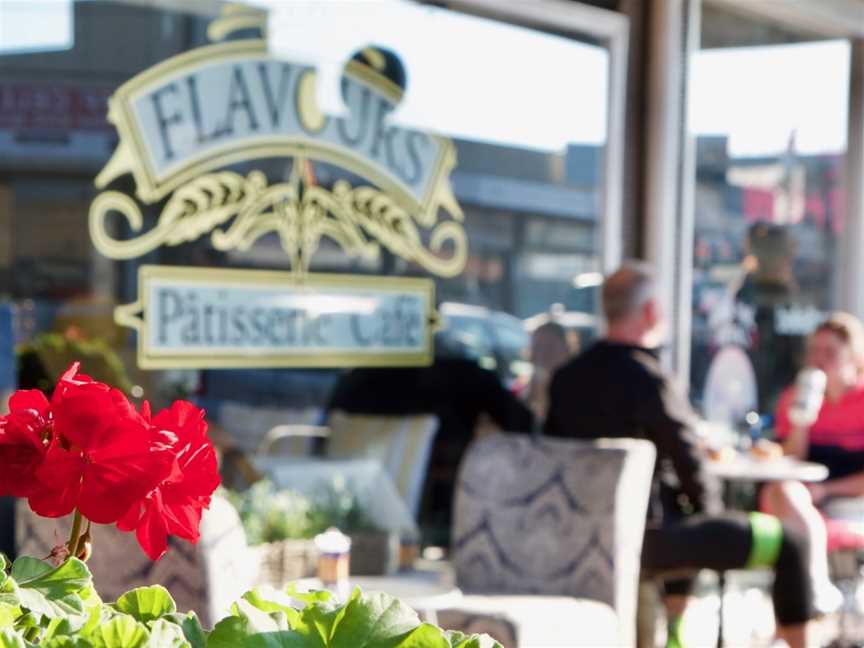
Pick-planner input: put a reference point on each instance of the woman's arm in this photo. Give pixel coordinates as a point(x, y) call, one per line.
point(795, 439)
point(851, 486)
point(797, 443)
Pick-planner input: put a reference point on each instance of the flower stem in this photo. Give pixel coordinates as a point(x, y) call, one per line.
point(76, 531)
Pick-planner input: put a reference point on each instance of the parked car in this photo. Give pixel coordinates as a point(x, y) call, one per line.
point(496, 340)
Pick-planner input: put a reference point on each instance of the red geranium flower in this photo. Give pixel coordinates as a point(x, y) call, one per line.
point(175, 505)
point(24, 436)
point(101, 459)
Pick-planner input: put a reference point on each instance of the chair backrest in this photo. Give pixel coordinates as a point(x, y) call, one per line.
point(206, 577)
point(249, 424)
point(402, 444)
point(555, 517)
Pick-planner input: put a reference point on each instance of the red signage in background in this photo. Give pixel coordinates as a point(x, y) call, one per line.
point(820, 207)
point(43, 107)
point(758, 204)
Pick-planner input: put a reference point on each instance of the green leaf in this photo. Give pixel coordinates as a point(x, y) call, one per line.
point(147, 603)
point(164, 634)
point(40, 604)
point(26, 622)
point(96, 617)
point(123, 631)
point(253, 597)
point(375, 619)
point(191, 627)
point(237, 632)
point(309, 598)
point(51, 591)
point(8, 614)
point(58, 628)
point(26, 569)
point(460, 640)
point(193, 631)
point(90, 597)
point(261, 621)
point(55, 582)
point(11, 639)
point(254, 628)
point(66, 627)
point(66, 642)
point(425, 636)
point(230, 632)
point(366, 621)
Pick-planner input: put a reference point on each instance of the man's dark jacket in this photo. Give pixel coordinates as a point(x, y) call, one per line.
point(615, 390)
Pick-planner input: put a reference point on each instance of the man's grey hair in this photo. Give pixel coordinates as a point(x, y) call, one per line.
point(627, 289)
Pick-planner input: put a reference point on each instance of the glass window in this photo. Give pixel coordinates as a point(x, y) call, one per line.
point(768, 205)
point(524, 109)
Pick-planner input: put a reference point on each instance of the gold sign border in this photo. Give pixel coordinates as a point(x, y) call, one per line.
point(131, 154)
point(134, 316)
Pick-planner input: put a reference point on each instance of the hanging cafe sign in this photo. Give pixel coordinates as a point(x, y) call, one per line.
point(182, 122)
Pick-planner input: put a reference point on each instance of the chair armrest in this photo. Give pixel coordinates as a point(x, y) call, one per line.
point(280, 432)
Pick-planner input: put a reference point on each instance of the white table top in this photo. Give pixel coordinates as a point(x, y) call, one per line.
point(424, 590)
point(744, 467)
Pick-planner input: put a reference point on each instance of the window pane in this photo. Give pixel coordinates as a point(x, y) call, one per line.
point(525, 110)
point(768, 206)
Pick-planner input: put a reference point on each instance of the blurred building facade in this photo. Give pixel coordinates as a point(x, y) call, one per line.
point(589, 154)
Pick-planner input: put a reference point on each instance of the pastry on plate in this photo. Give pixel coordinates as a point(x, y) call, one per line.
point(723, 453)
point(765, 450)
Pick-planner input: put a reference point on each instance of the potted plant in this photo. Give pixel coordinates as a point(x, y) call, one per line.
point(280, 525)
point(279, 528)
point(89, 453)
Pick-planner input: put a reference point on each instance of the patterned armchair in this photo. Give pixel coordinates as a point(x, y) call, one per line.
point(547, 538)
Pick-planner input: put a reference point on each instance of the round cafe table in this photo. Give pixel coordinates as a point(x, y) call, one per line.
point(745, 467)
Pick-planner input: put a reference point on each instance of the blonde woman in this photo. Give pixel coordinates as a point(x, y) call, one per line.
point(835, 438)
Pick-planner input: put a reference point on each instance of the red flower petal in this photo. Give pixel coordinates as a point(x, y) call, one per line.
point(145, 411)
point(132, 518)
point(84, 419)
point(18, 475)
point(152, 531)
point(59, 479)
point(183, 520)
point(117, 477)
point(29, 399)
point(69, 374)
point(21, 447)
point(176, 504)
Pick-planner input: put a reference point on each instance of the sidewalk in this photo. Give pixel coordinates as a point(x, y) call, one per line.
point(748, 614)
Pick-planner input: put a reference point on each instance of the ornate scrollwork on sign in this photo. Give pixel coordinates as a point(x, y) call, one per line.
point(182, 122)
point(237, 210)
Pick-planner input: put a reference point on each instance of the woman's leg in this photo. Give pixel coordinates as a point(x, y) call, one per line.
point(791, 502)
point(793, 606)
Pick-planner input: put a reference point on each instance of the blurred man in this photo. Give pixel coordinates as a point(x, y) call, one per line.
point(460, 393)
point(617, 388)
point(551, 347)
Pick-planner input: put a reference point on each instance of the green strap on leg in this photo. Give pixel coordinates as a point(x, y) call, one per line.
point(767, 538)
point(674, 638)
